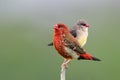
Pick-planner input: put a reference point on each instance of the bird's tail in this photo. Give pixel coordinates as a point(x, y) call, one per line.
point(88, 57)
point(50, 44)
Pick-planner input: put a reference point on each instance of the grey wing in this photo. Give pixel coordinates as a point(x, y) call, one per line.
point(73, 32)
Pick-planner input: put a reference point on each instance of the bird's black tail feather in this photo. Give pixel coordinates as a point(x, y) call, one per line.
point(95, 59)
point(50, 44)
point(88, 57)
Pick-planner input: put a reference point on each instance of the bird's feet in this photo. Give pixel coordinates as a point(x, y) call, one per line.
point(64, 65)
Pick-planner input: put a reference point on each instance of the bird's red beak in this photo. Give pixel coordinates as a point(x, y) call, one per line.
point(56, 27)
point(87, 25)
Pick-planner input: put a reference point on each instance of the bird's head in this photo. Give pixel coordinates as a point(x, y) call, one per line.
point(60, 28)
point(83, 24)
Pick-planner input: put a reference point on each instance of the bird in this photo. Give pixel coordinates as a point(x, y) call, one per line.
point(79, 31)
point(68, 46)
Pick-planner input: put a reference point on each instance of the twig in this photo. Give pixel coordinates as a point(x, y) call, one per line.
point(63, 70)
point(64, 67)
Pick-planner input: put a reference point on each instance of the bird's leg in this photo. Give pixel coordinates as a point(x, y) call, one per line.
point(65, 63)
point(64, 66)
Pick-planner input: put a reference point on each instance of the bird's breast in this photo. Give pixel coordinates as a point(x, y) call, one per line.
point(82, 37)
point(82, 40)
point(59, 46)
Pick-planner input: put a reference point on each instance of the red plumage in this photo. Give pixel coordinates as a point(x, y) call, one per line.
point(58, 42)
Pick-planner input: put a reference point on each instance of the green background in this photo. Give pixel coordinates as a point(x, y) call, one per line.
point(26, 27)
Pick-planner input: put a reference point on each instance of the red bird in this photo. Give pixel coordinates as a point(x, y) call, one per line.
point(67, 46)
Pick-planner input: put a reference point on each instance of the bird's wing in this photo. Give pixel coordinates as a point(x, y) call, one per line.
point(74, 46)
point(73, 32)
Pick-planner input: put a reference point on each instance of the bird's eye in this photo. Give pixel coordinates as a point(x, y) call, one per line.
point(83, 24)
point(60, 26)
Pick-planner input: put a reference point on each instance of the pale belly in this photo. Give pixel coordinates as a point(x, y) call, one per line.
point(82, 41)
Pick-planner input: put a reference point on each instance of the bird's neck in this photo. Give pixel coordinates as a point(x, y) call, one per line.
point(83, 32)
point(85, 29)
